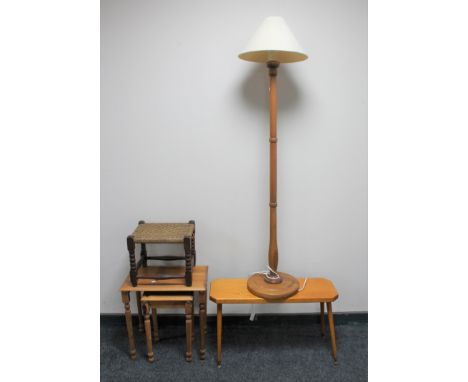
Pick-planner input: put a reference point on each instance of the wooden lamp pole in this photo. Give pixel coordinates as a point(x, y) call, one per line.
point(273, 43)
point(273, 247)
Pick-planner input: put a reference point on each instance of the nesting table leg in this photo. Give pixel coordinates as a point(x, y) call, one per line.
point(155, 323)
point(128, 320)
point(332, 329)
point(202, 314)
point(322, 319)
point(149, 342)
point(219, 331)
point(140, 314)
point(193, 322)
point(188, 329)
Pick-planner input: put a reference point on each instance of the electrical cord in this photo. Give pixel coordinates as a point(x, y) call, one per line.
point(269, 274)
point(303, 285)
point(272, 275)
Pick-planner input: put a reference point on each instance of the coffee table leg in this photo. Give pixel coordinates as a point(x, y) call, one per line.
point(219, 331)
point(332, 329)
point(202, 314)
point(149, 340)
point(188, 330)
point(140, 314)
point(128, 320)
point(322, 319)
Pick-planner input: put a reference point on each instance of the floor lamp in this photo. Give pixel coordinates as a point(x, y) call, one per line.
point(273, 43)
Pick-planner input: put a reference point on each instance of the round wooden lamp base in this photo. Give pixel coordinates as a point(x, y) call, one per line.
point(257, 285)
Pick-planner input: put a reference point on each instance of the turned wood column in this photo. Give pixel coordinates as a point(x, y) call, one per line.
point(272, 285)
point(128, 320)
point(133, 267)
point(188, 260)
point(202, 315)
point(273, 247)
point(188, 330)
point(149, 340)
point(143, 251)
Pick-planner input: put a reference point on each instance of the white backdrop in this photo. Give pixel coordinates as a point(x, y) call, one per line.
point(184, 135)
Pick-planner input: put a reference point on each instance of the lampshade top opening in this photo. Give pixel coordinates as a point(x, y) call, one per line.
point(273, 41)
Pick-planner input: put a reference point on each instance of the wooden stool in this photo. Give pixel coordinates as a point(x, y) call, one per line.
point(162, 233)
point(150, 302)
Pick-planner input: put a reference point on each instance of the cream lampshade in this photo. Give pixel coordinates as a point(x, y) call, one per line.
point(273, 41)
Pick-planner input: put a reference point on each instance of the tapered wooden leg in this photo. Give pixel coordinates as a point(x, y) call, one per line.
point(149, 342)
point(188, 329)
point(155, 324)
point(140, 314)
point(202, 315)
point(219, 331)
point(332, 329)
point(322, 319)
point(128, 320)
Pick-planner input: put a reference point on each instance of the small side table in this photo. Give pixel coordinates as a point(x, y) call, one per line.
point(200, 277)
point(234, 291)
point(150, 301)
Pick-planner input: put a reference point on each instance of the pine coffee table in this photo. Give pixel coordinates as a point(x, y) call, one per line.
point(234, 291)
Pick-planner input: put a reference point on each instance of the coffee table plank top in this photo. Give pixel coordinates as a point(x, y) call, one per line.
point(234, 291)
point(199, 280)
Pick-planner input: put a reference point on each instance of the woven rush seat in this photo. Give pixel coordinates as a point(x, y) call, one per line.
point(151, 233)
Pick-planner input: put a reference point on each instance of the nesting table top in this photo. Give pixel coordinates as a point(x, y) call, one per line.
point(199, 280)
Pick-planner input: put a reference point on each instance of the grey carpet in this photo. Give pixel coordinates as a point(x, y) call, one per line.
point(278, 348)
